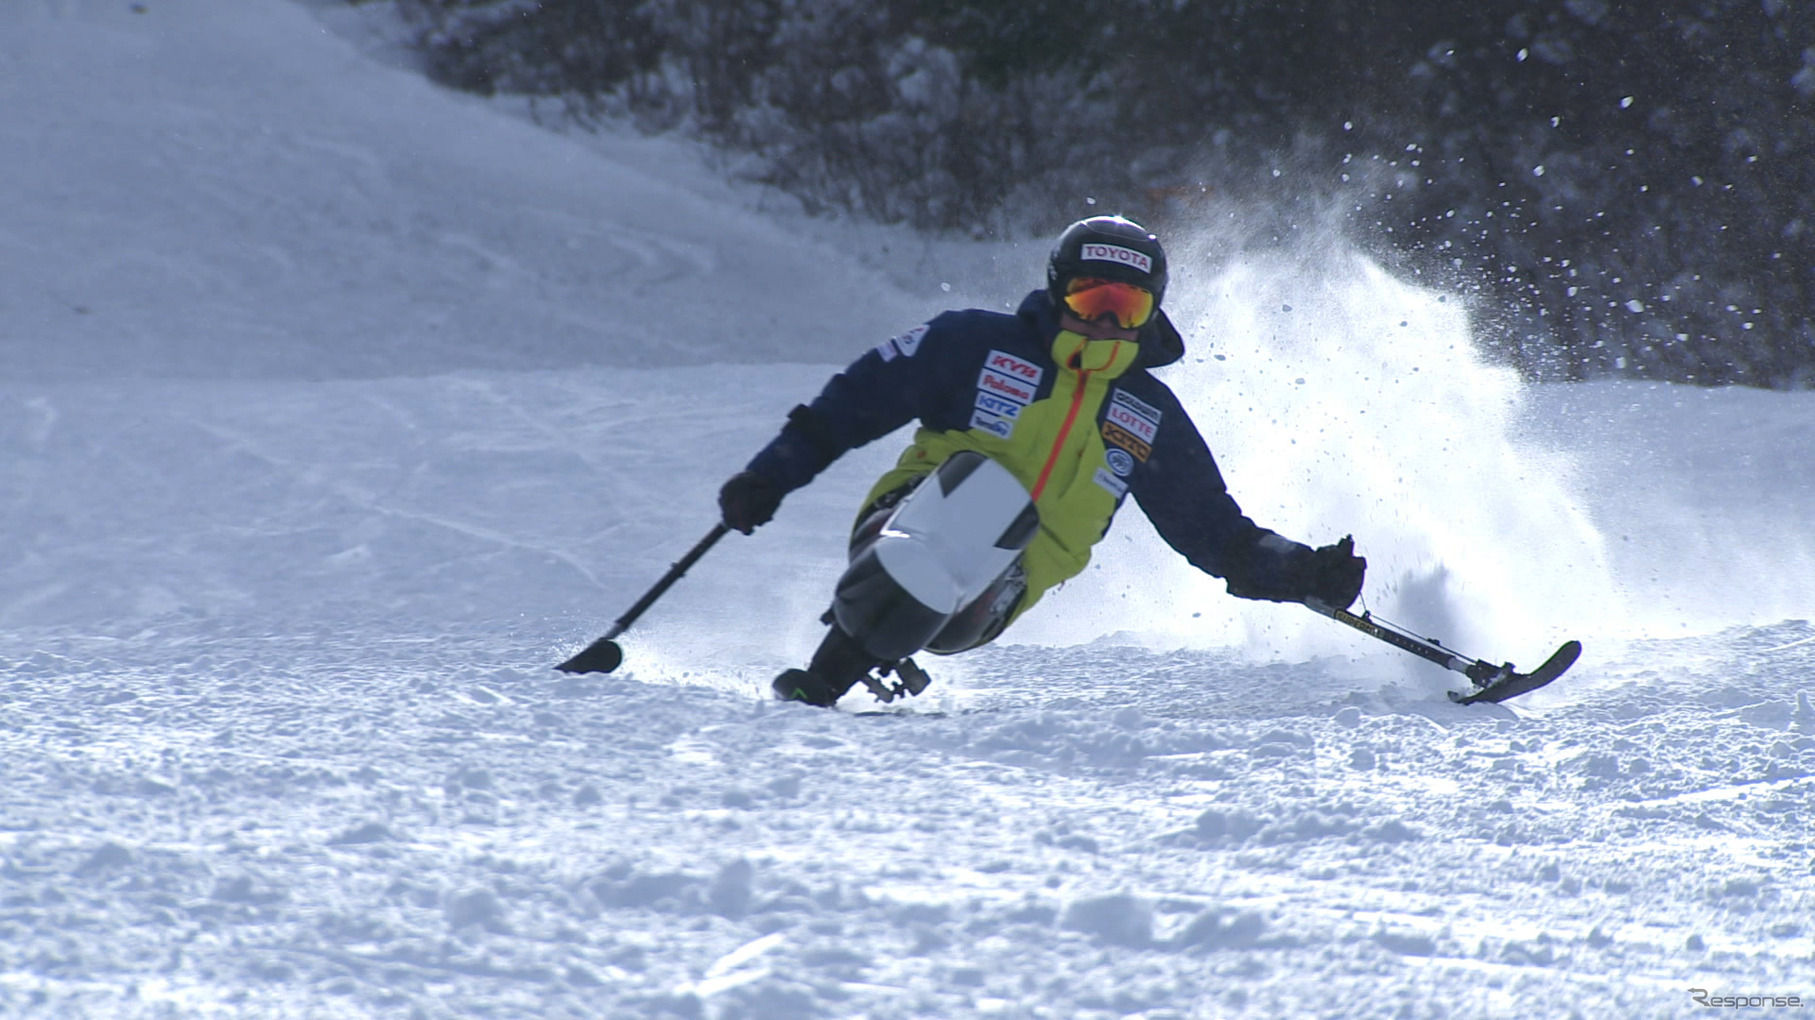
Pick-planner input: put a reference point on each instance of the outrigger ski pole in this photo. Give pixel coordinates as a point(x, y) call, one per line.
point(604, 655)
point(1492, 683)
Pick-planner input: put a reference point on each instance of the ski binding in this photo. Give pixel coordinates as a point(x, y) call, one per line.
point(1504, 682)
point(912, 681)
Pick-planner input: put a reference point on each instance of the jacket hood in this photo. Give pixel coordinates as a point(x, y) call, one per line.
point(1160, 341)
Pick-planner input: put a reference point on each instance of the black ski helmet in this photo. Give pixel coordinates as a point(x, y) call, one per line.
point(1108, 248)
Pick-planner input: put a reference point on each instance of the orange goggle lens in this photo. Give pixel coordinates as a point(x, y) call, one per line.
point(1089, 298)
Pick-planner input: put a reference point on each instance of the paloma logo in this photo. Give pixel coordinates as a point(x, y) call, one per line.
point(1117, 254)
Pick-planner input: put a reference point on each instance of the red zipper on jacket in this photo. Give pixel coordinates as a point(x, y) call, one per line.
point(1071, 417)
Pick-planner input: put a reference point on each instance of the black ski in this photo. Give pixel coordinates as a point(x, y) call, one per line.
point(1509, 684)
point(1492, 683)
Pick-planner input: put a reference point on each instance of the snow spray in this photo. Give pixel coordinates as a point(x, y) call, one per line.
point(1340, 400)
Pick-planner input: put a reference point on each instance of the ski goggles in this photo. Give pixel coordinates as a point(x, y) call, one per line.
point(1089, 297)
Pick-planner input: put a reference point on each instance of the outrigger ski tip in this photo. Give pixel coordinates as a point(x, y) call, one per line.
point(602, 656)
point(1509, 684)
point(1492, 683)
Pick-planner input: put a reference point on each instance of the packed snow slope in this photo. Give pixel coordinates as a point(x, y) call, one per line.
point(336, 408)
point(185, 198)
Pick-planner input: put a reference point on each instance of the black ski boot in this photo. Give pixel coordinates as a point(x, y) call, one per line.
point(837, 666)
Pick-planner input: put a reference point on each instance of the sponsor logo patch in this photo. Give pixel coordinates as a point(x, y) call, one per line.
point(1113, 433)
point(1119, 461)
point(1005, 386)
point(1008, 364)
point(1117, 254)
point(1130, 422)
point(1116, 486)
point(1137, 405)
point(1010, 387)
point(1001, 406)
point(993, 425)
point(909, 343)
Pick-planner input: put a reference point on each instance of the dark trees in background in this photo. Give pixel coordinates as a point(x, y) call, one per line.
point(1629, 187)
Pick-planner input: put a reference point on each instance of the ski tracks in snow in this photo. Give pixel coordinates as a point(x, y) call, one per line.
point(331, 823)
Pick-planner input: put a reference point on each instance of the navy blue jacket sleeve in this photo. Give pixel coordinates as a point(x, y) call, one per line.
point(891, 385)
point(1183, 494)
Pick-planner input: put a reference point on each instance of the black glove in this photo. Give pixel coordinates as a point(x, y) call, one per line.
point(749, 501)
point(1333, 574)
point(1278, 570)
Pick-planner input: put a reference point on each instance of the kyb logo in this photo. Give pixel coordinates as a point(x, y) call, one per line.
point(1702, 998)
point(1117, 254)
point(1014, 366)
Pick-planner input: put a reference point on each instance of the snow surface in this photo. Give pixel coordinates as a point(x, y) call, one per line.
point(336, 408)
